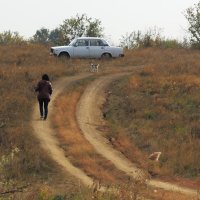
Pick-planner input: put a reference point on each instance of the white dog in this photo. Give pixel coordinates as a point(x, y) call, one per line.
point(94, 67)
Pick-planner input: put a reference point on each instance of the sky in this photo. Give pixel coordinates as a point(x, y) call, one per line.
point(117, 17)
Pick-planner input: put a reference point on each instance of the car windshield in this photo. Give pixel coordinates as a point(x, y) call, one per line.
point(72, 42)
point(105, 43)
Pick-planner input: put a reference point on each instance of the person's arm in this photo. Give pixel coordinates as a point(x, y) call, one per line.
point(50, 89)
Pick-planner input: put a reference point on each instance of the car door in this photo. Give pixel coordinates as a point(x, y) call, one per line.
point(81, 48)
point(97, 48)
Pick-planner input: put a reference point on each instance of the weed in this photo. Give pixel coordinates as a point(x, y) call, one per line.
point(150, 115)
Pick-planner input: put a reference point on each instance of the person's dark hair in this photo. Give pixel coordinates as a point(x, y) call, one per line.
point(45, 77)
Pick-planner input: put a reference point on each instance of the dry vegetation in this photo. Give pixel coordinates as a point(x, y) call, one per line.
point(167, 87)
point(76, 147)
point(159, 111)
point(22, 161)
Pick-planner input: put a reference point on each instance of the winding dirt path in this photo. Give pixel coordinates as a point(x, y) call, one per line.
point(89, 117)
point(47, 136)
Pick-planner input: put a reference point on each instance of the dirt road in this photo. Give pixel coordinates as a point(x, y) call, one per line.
point(47, 136)
point(89, 117)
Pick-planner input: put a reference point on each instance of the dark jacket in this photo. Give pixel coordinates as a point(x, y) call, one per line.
point(45, 89)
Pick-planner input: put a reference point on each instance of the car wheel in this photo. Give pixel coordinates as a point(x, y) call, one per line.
point(106, 56)
point(64, 55)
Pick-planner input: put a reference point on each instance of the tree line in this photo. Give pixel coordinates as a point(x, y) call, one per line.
point(82, 25)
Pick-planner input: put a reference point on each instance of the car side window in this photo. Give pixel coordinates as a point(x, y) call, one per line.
point(96, 43)
point(100, 43)
point(82, 43)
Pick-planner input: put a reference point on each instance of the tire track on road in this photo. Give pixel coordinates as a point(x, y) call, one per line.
point(89, 117)
point(47, 136)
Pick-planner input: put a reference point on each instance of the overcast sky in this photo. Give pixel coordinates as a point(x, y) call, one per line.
point(118, 17)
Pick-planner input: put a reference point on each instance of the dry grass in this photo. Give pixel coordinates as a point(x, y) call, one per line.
point(159, 111)
point(22, 160)
point(77, 148)
point(19, 72)
point(17, 95)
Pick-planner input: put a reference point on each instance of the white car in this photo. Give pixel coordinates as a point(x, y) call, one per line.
point(87, 47)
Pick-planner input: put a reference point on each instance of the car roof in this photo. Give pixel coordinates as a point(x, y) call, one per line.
point(89, 38)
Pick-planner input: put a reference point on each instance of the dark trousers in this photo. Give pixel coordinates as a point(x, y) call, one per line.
point(43, 104)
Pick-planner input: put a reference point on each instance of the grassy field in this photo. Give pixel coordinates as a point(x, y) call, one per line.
point(158, 109)
point(160, 106)
point(22, 161)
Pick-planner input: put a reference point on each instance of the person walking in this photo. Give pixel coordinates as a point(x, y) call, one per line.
point(44, 89)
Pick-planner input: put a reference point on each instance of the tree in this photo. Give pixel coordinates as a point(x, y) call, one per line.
point(193, 16)
point(151, 38)
point(136, 39)
point(77, 26)
point(9, 37)
point(93, 28)
point(56, 37)
point(80, 25)
point(131, 41)
point(41, 36)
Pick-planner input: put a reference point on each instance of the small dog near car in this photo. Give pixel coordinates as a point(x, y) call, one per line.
point(94, 67)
